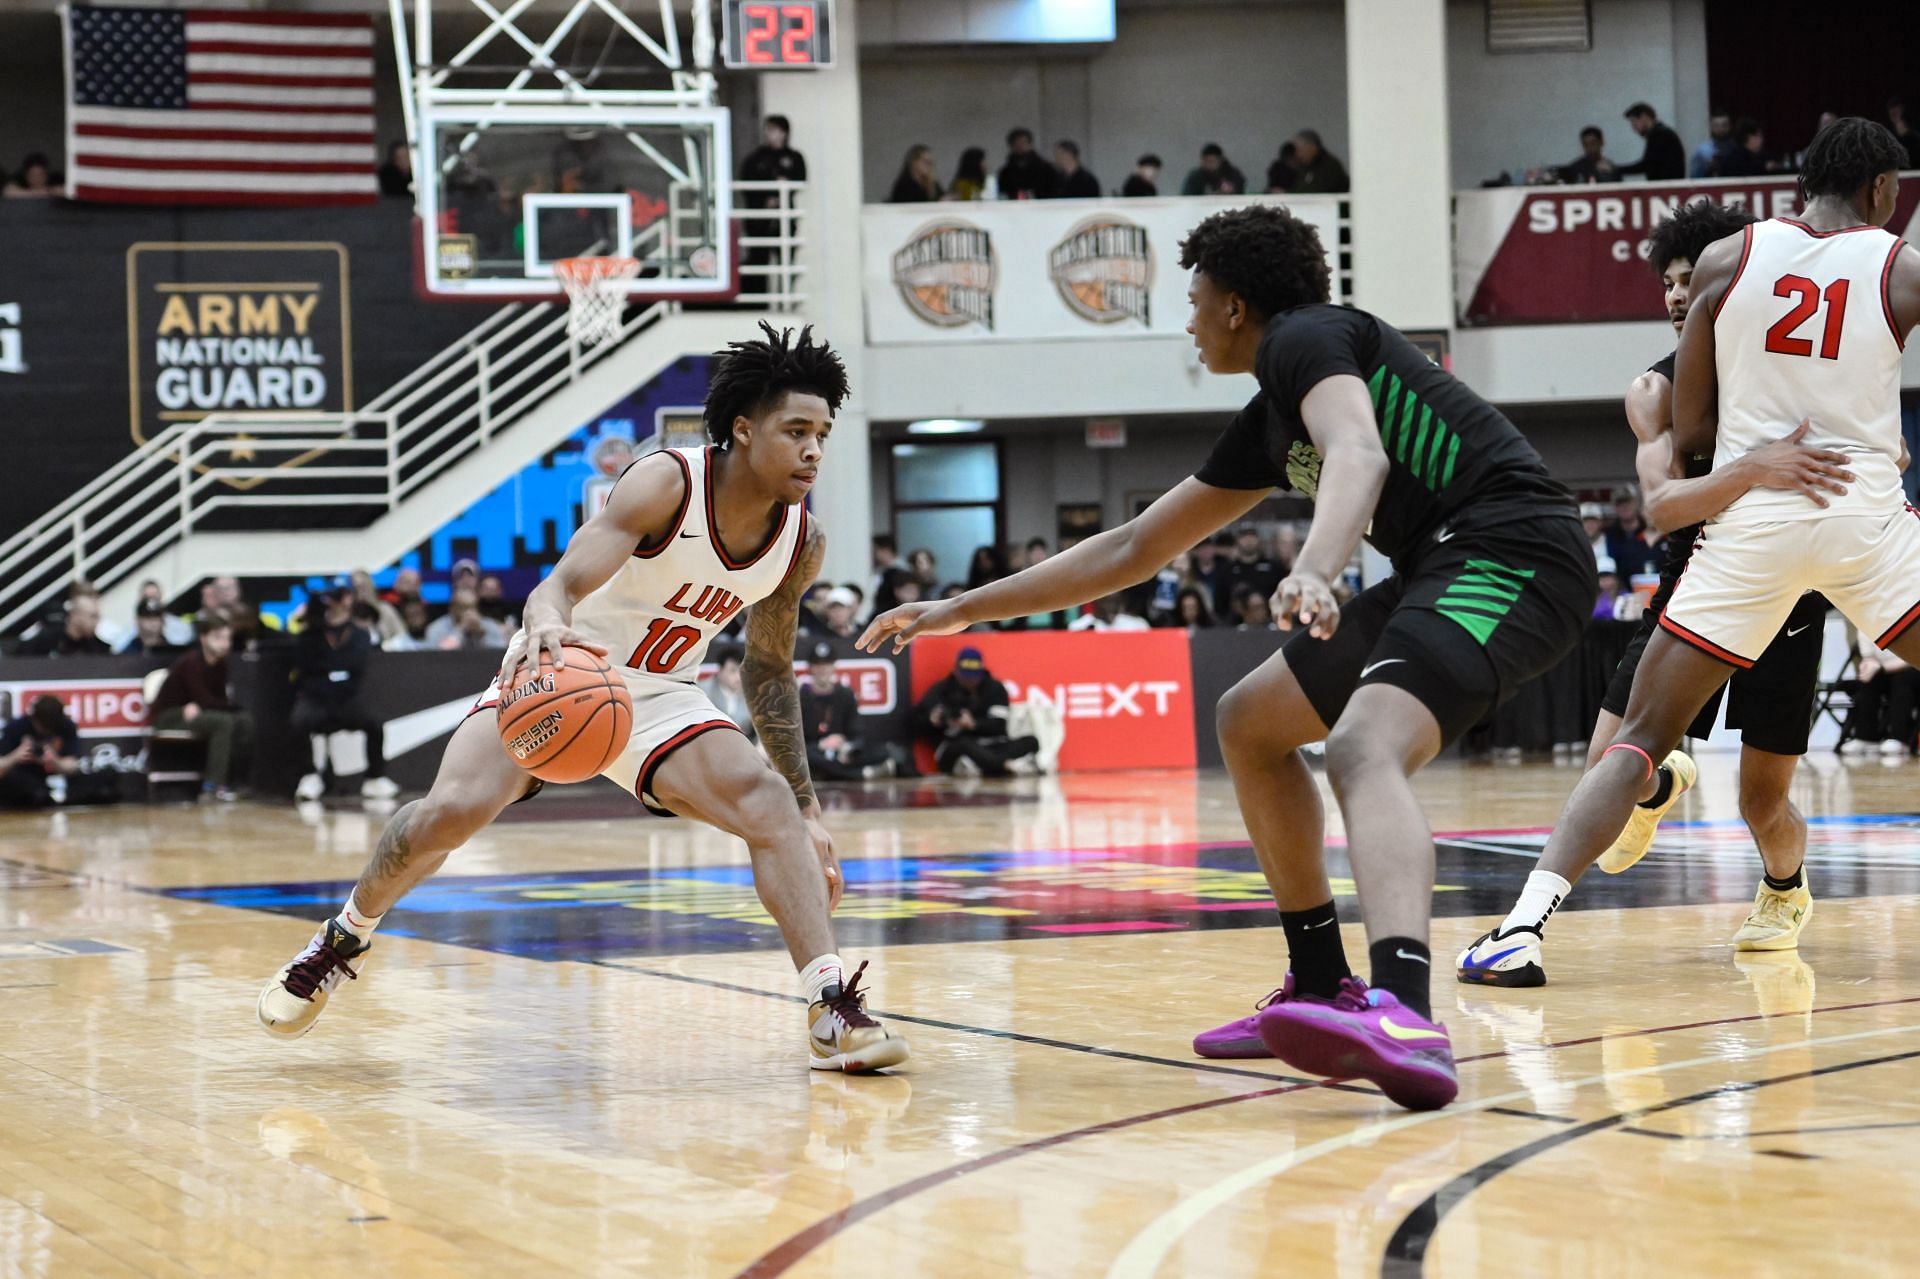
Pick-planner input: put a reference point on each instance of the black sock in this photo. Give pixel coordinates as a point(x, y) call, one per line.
point(1403, 968)
point(1662, 788)
point(1314, 951)
point(1796, 880)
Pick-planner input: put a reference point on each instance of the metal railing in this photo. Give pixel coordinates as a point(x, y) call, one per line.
point(255, 471)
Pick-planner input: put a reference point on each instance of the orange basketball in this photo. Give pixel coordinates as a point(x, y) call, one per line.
point(565, 724)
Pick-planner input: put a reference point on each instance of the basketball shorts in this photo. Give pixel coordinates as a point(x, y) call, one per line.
point(1745, 579)
point(1474, 618)
point(1770, 705)
point(667, 714)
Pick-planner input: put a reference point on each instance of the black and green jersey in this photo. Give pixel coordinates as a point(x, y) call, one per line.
point(1454, 460)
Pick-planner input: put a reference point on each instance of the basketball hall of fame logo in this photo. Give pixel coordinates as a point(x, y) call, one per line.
point(946, 274)
point(1104, 270)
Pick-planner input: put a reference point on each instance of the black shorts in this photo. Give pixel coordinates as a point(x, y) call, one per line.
point(1770, 703)
point(1474, 618)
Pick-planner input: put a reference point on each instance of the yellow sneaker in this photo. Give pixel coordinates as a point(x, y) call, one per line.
point(841, 1036)
point(1637, 838)
point(1776, 920)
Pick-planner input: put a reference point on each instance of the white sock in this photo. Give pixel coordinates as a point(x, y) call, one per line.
point(818, 975)
point(357, 921)
point(1538, 900)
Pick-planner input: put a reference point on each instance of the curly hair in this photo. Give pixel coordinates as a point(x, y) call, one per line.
point(752, 377)
point(1263, 253)
point(1847, 155)
point(1690, 230)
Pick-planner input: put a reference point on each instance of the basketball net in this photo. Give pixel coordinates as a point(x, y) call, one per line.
point(596, 294)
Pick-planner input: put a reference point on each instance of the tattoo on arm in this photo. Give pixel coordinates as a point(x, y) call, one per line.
point(390, 855)
point(766, 672)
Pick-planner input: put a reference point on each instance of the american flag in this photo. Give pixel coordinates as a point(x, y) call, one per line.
point(212, 106)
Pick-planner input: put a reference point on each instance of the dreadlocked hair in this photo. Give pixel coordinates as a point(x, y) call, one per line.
point(753, 377)
point(1263, 253)
point(1690, 230)
point(1847, 155)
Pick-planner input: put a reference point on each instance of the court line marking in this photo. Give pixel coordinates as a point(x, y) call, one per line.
point(1147, 1251)
point(1406, 1250)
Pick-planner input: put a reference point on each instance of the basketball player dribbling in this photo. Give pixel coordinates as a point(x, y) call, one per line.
point(687, 539)
point(1795, 321)
point(1493, 581)
point(1771, 704)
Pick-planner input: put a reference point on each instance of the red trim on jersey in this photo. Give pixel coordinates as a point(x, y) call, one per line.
point(1746, 248)
point(713, 531)
point(1704, 644)
point(1821, 235)
point(686, 500)
point(1886, 293)
point(658, 755)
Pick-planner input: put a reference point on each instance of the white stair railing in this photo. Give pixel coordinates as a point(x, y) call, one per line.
point(239, 472)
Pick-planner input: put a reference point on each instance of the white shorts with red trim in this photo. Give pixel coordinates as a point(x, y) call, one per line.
point(667, 714)
point(1745, 578)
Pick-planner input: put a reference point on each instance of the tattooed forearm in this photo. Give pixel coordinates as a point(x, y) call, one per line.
point(766, 672)
point(386, 874)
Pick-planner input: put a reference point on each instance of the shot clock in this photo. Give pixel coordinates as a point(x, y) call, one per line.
point(772, 35)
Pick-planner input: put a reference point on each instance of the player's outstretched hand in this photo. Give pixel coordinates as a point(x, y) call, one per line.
point(551, 638)
point(909, 622)
point(1799, 468)
point(1306, 598)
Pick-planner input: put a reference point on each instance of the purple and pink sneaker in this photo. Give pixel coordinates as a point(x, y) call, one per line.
point(1364, 1033)
point(1241, 1038)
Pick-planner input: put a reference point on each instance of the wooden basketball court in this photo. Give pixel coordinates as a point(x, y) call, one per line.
point(578, 1052)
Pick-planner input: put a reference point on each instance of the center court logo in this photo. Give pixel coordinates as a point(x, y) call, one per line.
point(946, 274)
point(1103, 270)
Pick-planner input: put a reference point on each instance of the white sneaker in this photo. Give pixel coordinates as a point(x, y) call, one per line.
point(1855, 746)
point(842, 1036)
point(1893, 746)
point(292, 1001)
point(965, 767)
point(1495, 958)
point(379, 788)
point(311, 787)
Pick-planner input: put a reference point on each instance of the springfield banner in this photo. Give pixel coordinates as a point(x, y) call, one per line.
point(1025, 270)
point(1578, 254)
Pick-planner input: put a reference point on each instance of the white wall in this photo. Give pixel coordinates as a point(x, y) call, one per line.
point(1245, 76)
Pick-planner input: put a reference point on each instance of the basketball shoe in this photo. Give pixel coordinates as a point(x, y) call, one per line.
point(1241, 1038)
point(1776, 919)
point(1503, 958)
point(1366, 1033)
point(841, 1036)
point(1637, 838)
point(291, 1002)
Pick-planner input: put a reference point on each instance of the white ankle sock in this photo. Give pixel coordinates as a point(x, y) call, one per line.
point(818, 975)
point(357, 921)
point(1538, 900)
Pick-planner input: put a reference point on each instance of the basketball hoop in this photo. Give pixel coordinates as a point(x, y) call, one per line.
point(597, 294)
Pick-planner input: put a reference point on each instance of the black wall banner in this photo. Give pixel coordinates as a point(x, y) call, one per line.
point(117, 322)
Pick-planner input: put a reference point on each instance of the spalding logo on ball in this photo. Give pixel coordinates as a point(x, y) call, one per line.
point(566, 723)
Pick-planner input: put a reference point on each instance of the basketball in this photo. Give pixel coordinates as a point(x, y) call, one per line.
point(566, 723)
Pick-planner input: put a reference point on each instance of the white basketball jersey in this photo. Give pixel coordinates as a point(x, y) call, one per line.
point(661, 609)
point(1806, 332)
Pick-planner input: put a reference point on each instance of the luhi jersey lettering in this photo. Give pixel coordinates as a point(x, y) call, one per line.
point(1454, 461)
point(1805, 332)
point(661, 608)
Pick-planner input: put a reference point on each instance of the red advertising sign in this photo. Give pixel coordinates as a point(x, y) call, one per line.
point(1126, 697)
point(1573, 254)
point(104, 707)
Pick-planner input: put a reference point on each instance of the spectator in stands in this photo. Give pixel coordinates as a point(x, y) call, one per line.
point(1283, 171)
point(986, 566)
point(1631, 544)
point(396, 175)
point(965, 717)
point(925, 569)
point(1215, 176)
point(1593, 165)
point(494, 604)
point(198, 698)
point(34, 179)
point(413, 634)
point(242, 616)
point(385, 616)
point(725, 690)
point(465, 576)
point(1593, 518)
point(1909, 137)
point(774, 160)
point(1076, 183)
point(886, 554)
point(970, 178)
point(1108, 613)
point(149, 633)
point(1799, 158)
point(1719, 136)
point(41, 744)
point(330, 670)
point(837, 617)
point(916, 183)
point(75, 636)
point(464, 627)
point(1251, 609)
point(406, 586)
point(178, 630)
point(909, 589)
point(1192, 610)
point(1251, 567)
point(1886, 692)
point(1210, 560)
point(1665, 159)
point(859, 599)
point(1607, 580)
point(1145, 178)
point(829, 719)
point(1747, 157)
point(1317, 171)
point(1169, 584)
point(1025, 176)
